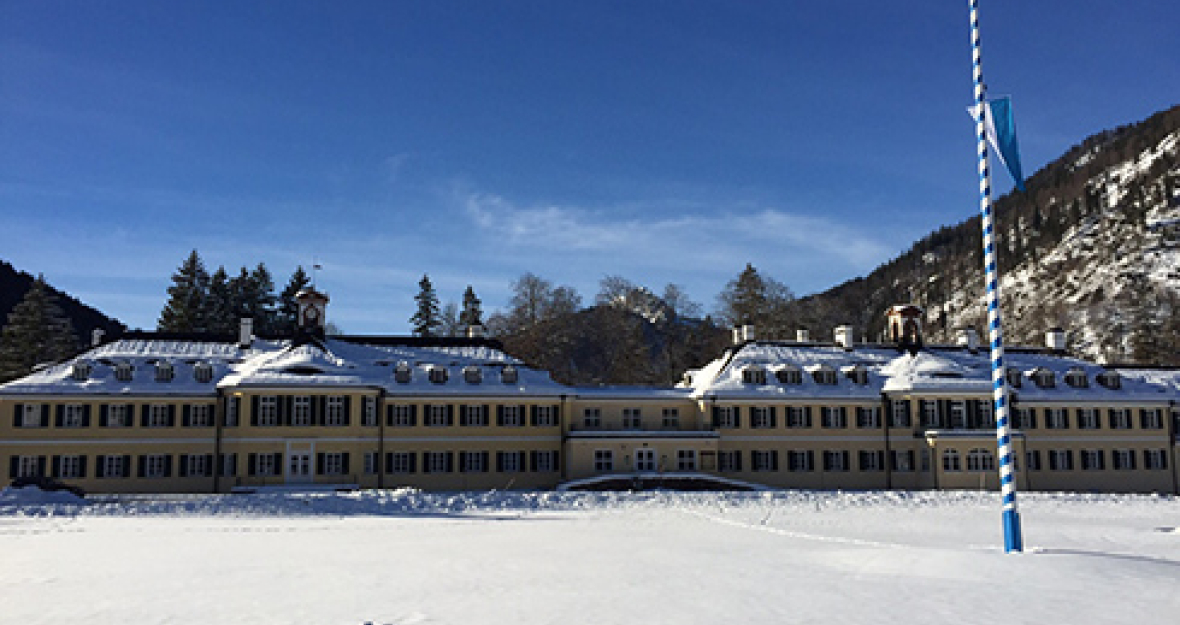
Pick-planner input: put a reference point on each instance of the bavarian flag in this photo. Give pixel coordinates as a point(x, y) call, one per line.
point(1001, 133)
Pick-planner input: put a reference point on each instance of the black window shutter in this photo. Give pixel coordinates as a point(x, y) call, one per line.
point(347, 417)
point(463, 411)
point(251, 464)
point(450, 462)
point(320, 404)
point(126, 466)
point(533, 461)
point(344, 461)
point(484, 461)
point(142, 466)
point(168, 466)
point(500, 461)
point(59, 417)
point(737, 460)
point(144, 411)
point(888, 414)
point(413, 463)
point(319, 463)
point(86, 416)
point(450, 414)
point(499, 415)
point(278, 465)
point(286, 408)
point(17, 411)
point(82, 466)
point(44, 415)
point(13, 466)
point(773, 417)
point(414, 414)
point(208, 466)
point(183, 466)
point(253, 416)
point(56, 466)
point(737, 416)
point(41, 462)
point(716, 416)
point(533, 415)
point(487, 411)
point(463, 461)
point(389, 462)
point(186, 418)
point(389, 415)
point(171, 415)
point(774, 460)
point(100, 466)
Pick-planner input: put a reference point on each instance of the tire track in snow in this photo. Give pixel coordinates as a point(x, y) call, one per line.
point(860, 542)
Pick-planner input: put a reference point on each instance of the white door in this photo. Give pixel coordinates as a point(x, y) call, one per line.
point(645, 460)
point(299, 467)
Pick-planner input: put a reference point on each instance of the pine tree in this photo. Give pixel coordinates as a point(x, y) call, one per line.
point(472, 315)
point(186, 310)
point(426, 320)
point(37, 332)
point(286, 318)
point(751, 299)
point(222, 319)
point(264, 304)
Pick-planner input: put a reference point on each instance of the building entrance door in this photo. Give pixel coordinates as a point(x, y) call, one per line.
point(299, 467)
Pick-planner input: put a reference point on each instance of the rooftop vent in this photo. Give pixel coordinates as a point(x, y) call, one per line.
point(844, 336)
point(802, 335)
point(402, 373)
point(96, 337)
point(246, 332)
point(472, 374)
point(1110, 379)
point(203, 372)
point(81, 371)
point(164, 371)
point(1055, 340)
point(438, 375)
point(124, 371)
point(969, 338)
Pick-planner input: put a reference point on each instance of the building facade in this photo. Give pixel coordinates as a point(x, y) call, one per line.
point(156, 413)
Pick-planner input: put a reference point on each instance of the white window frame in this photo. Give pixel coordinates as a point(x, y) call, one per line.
point(157, 416)
point(69, 467)
point(686, 460)
point(1060, 460)
point(72, 415)
point(1032, 459)
point(200, 415)
point(402, 461)
point(727, 461)
point(403, 415)
point(372, 461)
point(546, 416)
point(1120, 418)
point(268, 411)
point(836, 461)
point(369, 411)
point(154, 466)
point(727, 417)
point(930, 416)
point(1089, 419)
point(833, 417)
point(762, 460)
point(546, 461)
point(113, 466)
point(799, 461)
point(510, 462)
point(28, 466)
point(671, 418)
point(264, 464)
point(198, 465)
point(436, 461)
point(473, 415)
point(632, 418)
point(868, 417)
point(300, 411)
point(796, 417)
point(334, 411)
point(760, 418)
point(902, 460)
point(512, 416)
point(1151, 419)
point(1155, 459)
point(333, 463)
point(1092, 460)
point(592, 418)
point(1122, 459)
point(119, 415)
point(901, 414)
point(958, 416)
point(472, 462)
point(604, 460)
point(871, 460)
point(30, 416)
point(436, 415)
point(1056, 419)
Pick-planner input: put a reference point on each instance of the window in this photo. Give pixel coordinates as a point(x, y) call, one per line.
point(30, 466)
point(438, 375)
point(154, 466)
point(902, 460)
point(1120, 418)
point(1013, 376)
point(725, 416)
point(1033, 460)
point(789, 375)
point(401, 415)
point(1060, 460)
point(336, 409)
point(958, 415)
point(268, 410)
point(203, 373)
point(400, 462)
point(671, 418)
point(754, 375)
point(118, 416)
point(1092, 460)
point(164, 372)
point(592, 418)
point(31, 415)
point(267, 464)
point(1088, 419)
point(473, 416)
point(438, 416)
point(764, 460)
point(545, 416)
point(868, 417)
point(1110, 380)
point(123, 372)
point(69, 467)
point(798, 417)
point(196, 465)
point(369, 410)
point(200, 415)
point(333, 463)
point(544, 461)
point(1151, 419)
point(872, 461)
point(511, 415)
point(229, 464)
point(761, 417)
point(509, 375)
point(950, 461)
point(930, 415)
point(1122, 460)
point(632, 418)
point(1155, 459)
point(510, 461)
point(472, 374)
point(1056, 418)
point(301, 411)
point(370, 463)
point(824, 375)
point(835, 461)
point(81, 372)
point(158, 416)
point(113, 466)
point(1026, 418)
point(1044, 378)
point(729, 461)
point(73, 415)
point(833, 417)
point(231, 411)
point(402, 374)
point(1076, 378)
point(437, 462)
point(980, 460)
point(987, 418)
point(799, 461)
point(686, 460)
point(604, 460)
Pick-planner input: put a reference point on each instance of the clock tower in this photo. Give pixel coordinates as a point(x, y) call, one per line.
point(312, 311)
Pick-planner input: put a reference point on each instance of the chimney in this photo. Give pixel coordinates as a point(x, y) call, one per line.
point(96, 337)
point(969, 338)
point(476, 331)
point(246, 332)
point(845, 337)
point(802, 335)
point(1055, 340)
point(741, 334)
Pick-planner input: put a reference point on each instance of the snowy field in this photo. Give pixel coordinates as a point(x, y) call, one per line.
point(588, 558)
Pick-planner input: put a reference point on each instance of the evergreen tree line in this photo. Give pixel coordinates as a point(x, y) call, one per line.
point(214, 304)
point(37, 332)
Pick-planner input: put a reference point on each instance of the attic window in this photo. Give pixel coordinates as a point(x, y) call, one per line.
point(81, 371)
point(123, 371)
point(203, 372)
point(402, 373)
point(858, 374)
point(438, 375)
point(472, 374)
point(1076, 377)
point(754, 375)
point(824, 375)
point(509, 375)
point(1013, 376)
point(1044, 378)
point(164, 372)
point(789, 375)
point(302, 370)
point(1110, 380)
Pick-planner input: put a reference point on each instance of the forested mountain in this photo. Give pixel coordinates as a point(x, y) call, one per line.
point(1092, 246)
point(15, 284)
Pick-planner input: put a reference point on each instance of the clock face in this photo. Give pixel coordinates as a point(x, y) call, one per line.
point(312, 313)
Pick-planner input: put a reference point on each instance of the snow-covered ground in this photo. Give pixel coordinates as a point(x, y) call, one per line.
point(573, 558)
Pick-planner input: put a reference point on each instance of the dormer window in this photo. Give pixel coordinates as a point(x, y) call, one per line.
point(123, 371)
point(1044, 378)
point(1110, 380)
point(402, 373)
point(203, 372)
point(472, 374)
point(81, 372)
point(509, 375)
point(858, 374)
point(164, 372)
point(1076, 377)
point(438, 375)
point(754, 375)
point(824, 375)
point(789, 375)
point(1013, 375)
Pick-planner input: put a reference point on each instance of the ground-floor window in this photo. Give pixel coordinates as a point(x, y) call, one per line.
point(510, 461)
point(1092, 460)
point(836, 461)
point(155, 466)
point(764, 460)
point(28, 466)
point(604, 460)
point(114, 466)
point(400, 462)
point(1033, 459)
point(1060, 460)
point(980, 460)
point(370, 463)
point(70, 466)
point(1122, 459)
point(951, 461)
point(437, 462)
point(799, 461)
point(544, 461)
point(196, 465)
point(729, 461)
point(473, 461)
point(686, 460)
point(1155, 459)
point(872, 460)
point(903, 460)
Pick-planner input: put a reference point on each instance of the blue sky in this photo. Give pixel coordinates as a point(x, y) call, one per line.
point(475, 141)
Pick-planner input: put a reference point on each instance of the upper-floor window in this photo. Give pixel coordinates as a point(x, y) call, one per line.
point(473, 415)
point(1044, 378)
point(369, 409)
point(81, 371)
point(592, 418)
point(164, 372)
point(158, 416)
point(124, 371)
point(1120, 418)
point(930, 414)
point(119, 415)
point(901, 413)
point(73, 415)
point(632, 418)
point(472, 374)
point(268, 410)
point(671, 418)
point(1013, 376)
point(725, 416)
point(858, 374)
point(1088, 419)
point(545, 416)
point(437, 415)
point(789, 375)
point(401, 415)
point(761, 417)
point(511, 415)
point(958, 415)
point(868, 417)
point(824, 375)
point(1026, 418)
point(1151, 419)
point(1076, 378)
point(301, 411)
point(1110, 380)
point(438, 375)
point(203, 372)
point(509, 375)
point(336, 410)
point(1056, 418)
point(834, 417)
point(798, 417)
point(200, 415)
point(754, 375)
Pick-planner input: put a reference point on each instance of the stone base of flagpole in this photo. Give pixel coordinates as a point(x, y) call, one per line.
point(1013, 541)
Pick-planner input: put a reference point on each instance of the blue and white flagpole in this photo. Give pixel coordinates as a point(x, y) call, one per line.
point(1011, 516)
